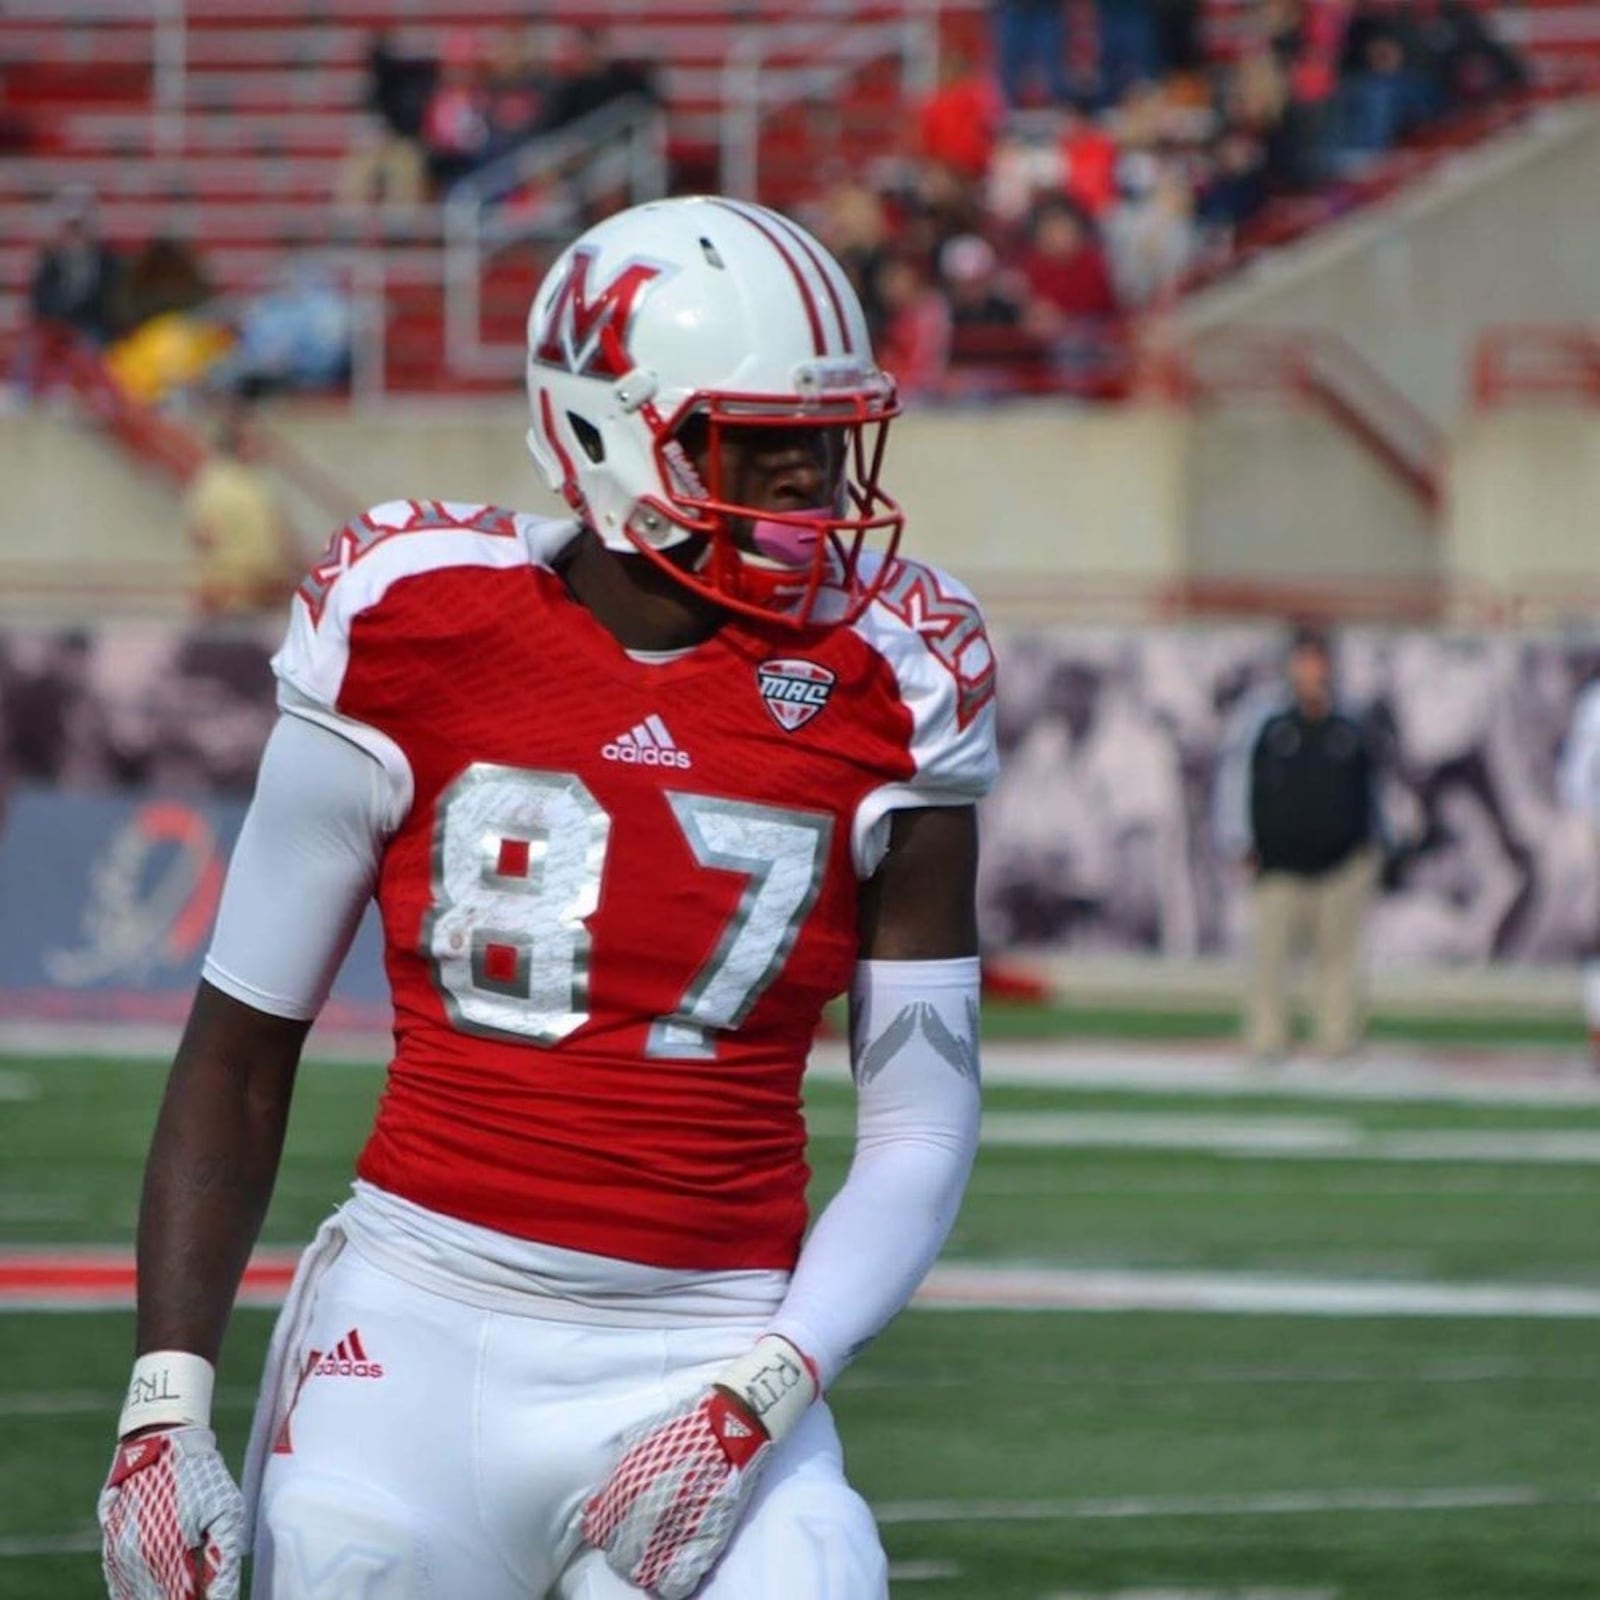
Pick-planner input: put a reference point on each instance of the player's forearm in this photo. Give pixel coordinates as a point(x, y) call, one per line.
point(916, 1065)
point(210, 1173)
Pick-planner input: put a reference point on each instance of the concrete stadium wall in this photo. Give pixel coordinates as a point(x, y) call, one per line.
point(1525, 499)
point(1030, 502)
point(1278, 492)
point(71, 501)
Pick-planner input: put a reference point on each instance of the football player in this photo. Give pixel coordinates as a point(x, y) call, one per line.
point(637, 793)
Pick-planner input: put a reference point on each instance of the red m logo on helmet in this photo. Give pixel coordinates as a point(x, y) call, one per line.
point(588, 333)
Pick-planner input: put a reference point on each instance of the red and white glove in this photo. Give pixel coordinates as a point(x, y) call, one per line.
point(673, 1499)
point(171, 1518)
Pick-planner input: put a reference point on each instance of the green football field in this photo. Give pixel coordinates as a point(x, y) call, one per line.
point(1263, 1341)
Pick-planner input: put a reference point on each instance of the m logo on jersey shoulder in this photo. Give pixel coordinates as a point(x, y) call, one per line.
point(951, 626)
point(587, 332)
point(794, 691)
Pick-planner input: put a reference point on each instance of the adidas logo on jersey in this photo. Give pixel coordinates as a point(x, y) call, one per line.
point(347, 1359)
point(647, 744)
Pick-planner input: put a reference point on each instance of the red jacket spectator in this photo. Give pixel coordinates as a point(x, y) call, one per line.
point(1065, 269)
point(1089, 165)
point(914, 346)
point(959, 121)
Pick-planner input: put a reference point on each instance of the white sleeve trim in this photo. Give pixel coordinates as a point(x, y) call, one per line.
point(914, 1052)
point(303, 870)
point(869, 832)
point(377, 744)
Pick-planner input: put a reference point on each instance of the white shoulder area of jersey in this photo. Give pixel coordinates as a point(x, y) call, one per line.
point(396, 540)
point(928, 626)
point(928, 629)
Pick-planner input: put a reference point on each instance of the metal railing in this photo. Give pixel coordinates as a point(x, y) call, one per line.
point(620, 147)
point(167, 22)
point(772, 68)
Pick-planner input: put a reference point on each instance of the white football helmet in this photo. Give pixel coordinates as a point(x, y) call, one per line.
point(727, 315)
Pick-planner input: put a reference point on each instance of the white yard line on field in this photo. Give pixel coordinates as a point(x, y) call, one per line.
point(1168, 1593)
point(1267, 1138)
point(1287, 1504)
point(1063, 1180)
point(1171, 1376)
point(1533, 1076)
point(922, 1571)
point(91, 1278)
point(1510, 1077)
point(994, 1287)
point(1127, 1508)
point(20, 1547)
point(90, 1402)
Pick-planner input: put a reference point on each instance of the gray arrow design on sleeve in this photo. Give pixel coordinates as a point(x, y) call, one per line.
point(962, 1054)
point(876, 1054)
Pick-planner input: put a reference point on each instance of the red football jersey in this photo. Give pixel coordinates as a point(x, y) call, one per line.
point(623, 890)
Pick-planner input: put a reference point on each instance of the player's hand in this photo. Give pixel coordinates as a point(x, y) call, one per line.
point(171, 1519)
point(673, 1499)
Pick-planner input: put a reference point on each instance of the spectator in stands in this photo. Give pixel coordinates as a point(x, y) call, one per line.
point(1466, 62)
point(1313, 809)
point(1235, 185)
point(518, 93)
point(1385, 89)
point(455, 125)
point(1579, 789)
point(1031, 45)
point(1072, 304)
point(173, 340)
point(1088, 163)
point(386, 163)
point(295, 336)
point(76, 278)
point(1149, 232)
point(982, 298)
point(855, 227)
point(914, 345)
point(1129, 46)
point(590, 77)
point(1178, 32)
point(247, 557)
point(166, 277)
point(1065, 270)
point(1310, 119)
point(957, 124)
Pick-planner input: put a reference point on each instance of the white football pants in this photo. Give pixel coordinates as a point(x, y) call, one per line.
point(440, 1451)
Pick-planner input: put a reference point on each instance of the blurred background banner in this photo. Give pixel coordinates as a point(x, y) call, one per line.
point(1120, 824)
point(1119, 827)
point(106, 906)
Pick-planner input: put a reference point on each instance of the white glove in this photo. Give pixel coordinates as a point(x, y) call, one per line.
point(171, 1519)
point(673, 1499)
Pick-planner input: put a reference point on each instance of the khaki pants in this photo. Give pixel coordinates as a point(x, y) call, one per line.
point(1327, 913)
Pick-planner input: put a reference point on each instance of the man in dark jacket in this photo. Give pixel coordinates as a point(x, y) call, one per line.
point(1314, 851)
point(75, 277)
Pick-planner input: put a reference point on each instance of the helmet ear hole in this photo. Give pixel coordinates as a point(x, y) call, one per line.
point(588, 437)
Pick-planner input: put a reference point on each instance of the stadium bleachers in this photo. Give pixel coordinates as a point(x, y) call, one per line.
point(231, 128)
point(232, 132)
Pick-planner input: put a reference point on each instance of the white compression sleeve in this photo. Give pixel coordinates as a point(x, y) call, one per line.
point(302, 871)
point(914, 1052)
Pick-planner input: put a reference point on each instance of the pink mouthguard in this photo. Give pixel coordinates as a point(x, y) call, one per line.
point(790, 544)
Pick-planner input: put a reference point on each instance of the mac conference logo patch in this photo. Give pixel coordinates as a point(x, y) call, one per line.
point(794, 691)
